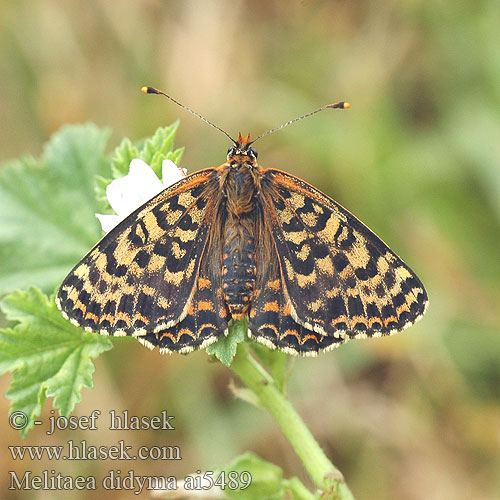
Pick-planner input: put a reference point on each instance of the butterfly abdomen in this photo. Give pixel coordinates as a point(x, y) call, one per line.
point(238, 251)
point(238, 277)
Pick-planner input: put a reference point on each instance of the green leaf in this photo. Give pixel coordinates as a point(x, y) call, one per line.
point(153, 152)
point(267, 479)
point(122, 157)
point(156, 148)
point(225, 348)
point(47, 219)
point(175, 156)
point(48, 355)
point(100, 185)
point(120, 162)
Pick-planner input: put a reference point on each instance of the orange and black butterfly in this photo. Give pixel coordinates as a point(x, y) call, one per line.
point(239, 240)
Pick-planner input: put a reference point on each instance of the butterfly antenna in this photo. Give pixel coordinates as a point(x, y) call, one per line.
point(152, 90)
point(337, 105)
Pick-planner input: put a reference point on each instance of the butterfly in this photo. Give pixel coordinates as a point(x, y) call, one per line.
point(240, 241)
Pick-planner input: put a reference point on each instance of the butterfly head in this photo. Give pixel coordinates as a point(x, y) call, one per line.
point(242, 147)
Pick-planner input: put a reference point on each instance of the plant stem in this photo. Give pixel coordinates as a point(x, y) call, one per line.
point(323, 473)
point(298, 490)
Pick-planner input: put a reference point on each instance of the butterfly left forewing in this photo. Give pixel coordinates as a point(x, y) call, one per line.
point(340, 278)
point(142, 276)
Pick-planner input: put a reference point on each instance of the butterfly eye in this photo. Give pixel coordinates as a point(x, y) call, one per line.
point(253, 152)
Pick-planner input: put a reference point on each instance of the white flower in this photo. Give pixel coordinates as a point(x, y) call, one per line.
point(136, 188)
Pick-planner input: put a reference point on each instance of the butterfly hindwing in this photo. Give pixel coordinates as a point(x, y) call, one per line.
point(206, 319)
point(341, 279)
point(272, 324)
point(131, 281)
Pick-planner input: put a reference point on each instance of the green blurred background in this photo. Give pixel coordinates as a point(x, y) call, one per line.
point(417, 158)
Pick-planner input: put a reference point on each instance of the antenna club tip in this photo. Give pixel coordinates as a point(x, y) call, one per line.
point(149, 90)
point(339, 105)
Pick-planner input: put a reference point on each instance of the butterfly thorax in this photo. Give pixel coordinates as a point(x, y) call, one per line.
point(240, 189)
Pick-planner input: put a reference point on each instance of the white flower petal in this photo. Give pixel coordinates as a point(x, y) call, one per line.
point(108, 222)
point(171, 173)
point(130, 192)
point(136, 188)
